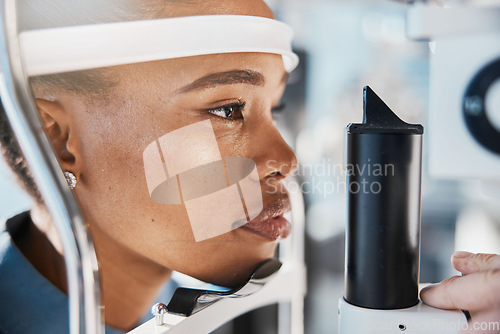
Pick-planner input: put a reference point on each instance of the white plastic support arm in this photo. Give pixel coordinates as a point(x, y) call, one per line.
point(288, 283)
point(419, 319)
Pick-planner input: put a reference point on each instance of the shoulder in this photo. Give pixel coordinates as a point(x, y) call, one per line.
point(30, 303)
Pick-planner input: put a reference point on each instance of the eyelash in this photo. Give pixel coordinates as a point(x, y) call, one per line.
point(278, 109)
point(231, 111)
point(234, 111)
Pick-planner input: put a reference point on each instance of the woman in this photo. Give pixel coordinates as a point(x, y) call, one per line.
point(100, 123)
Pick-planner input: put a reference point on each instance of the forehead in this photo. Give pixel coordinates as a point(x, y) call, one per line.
point(213, 7)
point(35, 14)
point(176, 73)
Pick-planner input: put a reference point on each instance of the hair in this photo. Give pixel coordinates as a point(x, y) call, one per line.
point(92, 84)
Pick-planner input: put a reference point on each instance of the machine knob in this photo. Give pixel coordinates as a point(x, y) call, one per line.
point(159, 310)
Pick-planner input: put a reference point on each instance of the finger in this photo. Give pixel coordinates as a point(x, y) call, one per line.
point(476, 291)
point(487, 322)
point(468, 263)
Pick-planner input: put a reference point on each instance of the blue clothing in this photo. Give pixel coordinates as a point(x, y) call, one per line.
point(29, 303)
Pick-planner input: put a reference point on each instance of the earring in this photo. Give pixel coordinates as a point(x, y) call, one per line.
point(71, 179)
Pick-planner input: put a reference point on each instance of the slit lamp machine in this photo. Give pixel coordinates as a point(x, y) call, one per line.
point(383, 232)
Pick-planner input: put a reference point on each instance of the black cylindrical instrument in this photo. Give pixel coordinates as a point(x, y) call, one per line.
point(384, 159)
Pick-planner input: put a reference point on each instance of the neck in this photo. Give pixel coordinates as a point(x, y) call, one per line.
point(129, 281)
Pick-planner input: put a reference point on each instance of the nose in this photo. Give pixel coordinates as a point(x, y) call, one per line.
point(274, 158)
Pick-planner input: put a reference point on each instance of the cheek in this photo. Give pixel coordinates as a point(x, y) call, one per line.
point(232, 141)
point(114, 195)
point(112, 165)
point(112, 154)
point(113, 189)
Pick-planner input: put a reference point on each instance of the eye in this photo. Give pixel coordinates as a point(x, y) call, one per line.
point(275, 111)
point(232, 111)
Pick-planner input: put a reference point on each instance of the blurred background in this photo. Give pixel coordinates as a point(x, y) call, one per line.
point(345, 45)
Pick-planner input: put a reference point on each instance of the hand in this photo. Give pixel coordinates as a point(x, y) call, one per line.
point(478, 291)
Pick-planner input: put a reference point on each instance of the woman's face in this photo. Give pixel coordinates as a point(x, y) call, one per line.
point(156, 98)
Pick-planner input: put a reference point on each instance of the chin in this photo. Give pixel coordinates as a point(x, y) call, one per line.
point(234, 277)
point(231, 268)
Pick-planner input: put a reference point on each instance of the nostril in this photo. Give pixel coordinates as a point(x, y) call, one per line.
point(275, 174)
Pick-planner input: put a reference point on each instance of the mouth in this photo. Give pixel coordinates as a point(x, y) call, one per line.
point(270, 223)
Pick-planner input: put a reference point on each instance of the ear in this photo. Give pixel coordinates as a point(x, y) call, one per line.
point(61, 131)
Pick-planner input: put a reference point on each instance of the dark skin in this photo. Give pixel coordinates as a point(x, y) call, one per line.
point(138, 241)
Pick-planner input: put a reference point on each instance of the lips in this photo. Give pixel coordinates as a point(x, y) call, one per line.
point(270, 223)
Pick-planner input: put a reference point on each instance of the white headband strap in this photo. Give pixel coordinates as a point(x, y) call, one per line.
point(66, 49)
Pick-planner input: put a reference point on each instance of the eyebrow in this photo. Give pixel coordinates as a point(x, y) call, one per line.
point(225, 78)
